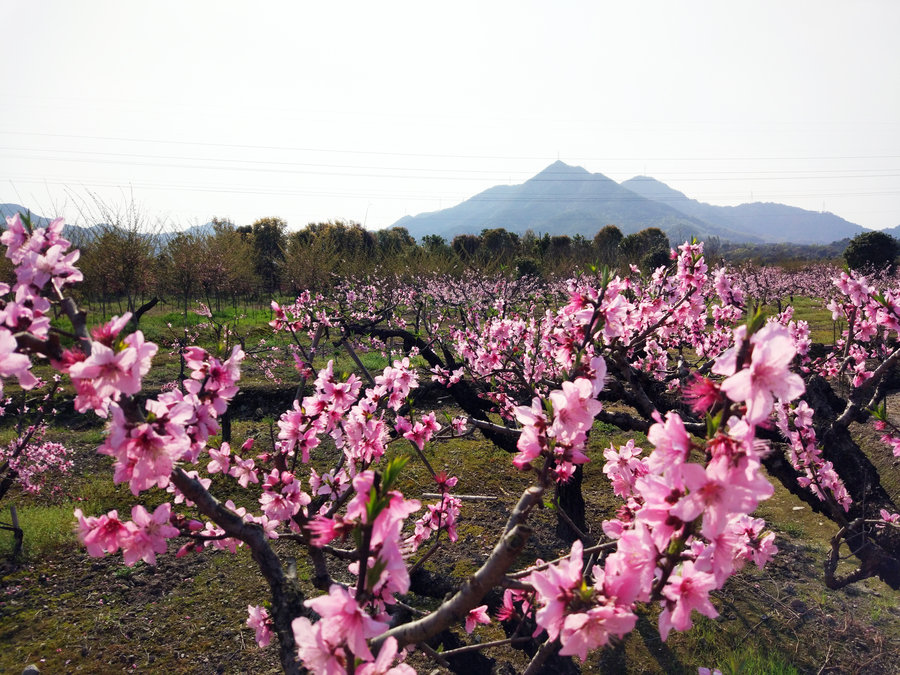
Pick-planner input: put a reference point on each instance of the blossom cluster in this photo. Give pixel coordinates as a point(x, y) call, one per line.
point(41, 257)
point(559, 436)
point(685, 525)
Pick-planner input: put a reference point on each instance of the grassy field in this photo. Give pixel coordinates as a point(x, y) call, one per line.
point(67, 612)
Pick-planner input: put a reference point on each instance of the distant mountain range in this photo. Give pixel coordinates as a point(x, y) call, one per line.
point(565, 199)
point(8, 210)
point(78, 234)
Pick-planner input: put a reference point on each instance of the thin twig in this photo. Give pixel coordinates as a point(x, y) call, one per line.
point(465, 498)
point(434, 655)
point(827, 657)
point(484, 645)
point(543, 566)
point(428, 554)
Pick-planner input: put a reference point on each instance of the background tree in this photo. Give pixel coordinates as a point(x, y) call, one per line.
point(606, 244)
point(872, 251)
point(228, 264)
point(498, 246)
point(119, 251)
point(654, 259)
point(181, 260)
point(465, 246)
point(435, 244)
point(641, 247)
point(321, 250)
point(269, 243)
point(394, 243)
point(308, 262)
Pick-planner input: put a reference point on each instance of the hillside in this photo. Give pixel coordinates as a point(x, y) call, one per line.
point(80, 235)
point(893, 231)
point(565, 199)
point(562, 199)
point(774, 223)
point(9, 210)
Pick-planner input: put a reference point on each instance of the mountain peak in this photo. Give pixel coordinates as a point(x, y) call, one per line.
point(560, 167)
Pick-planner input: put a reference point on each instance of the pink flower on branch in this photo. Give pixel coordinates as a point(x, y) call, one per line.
point(260, 621)
point(684, 593)
point(477, 616)
point(345, 622)
point(148, 533)
point(768, 374)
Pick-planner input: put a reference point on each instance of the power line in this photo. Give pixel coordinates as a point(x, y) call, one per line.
point(544, 175)
point(434, 155)
point(541, 178)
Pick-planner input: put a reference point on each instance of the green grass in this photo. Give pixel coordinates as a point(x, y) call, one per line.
point(47, 529)
point(812, 310)
point(749, 660)
point(48, 519)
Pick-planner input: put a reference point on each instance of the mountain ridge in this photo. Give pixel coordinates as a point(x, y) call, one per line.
point(565, 199)
point(81, 233)
point(776, 223)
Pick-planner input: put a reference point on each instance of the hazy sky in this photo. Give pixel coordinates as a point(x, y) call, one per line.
point(369, 111)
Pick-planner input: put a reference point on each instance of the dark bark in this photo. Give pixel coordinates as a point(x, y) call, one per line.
point(571, 500)
point(143, 309)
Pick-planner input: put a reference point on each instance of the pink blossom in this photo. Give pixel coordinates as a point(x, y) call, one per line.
point(12, 363)
point(318, 654)
point(554, 587)
point(107, 333)
point(589, 630)
point(344, 621)
point(220, 459)
point(260, 621)
point(702, 393)
point(419, 435)
point(148, 534)
point(382, 663)
point(533, 440)
point(672, 443)
point(110, 373)
point(768, 374)
point(476, 616)
point(244, 470)
point(684, 593)
point(103, 534)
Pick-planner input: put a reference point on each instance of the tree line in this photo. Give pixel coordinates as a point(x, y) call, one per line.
point(125, 263)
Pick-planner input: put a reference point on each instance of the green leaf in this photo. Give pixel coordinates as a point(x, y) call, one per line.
point(713, 423)
point(25, 217)
point(605, 276)
point(755, 321)
point(374, 505)
point(392, 471)
point(374, 573)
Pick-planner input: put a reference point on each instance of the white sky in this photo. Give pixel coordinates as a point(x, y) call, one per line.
point(369, 111)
